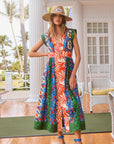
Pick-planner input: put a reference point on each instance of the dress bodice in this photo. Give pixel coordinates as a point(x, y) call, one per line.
point(65, 44)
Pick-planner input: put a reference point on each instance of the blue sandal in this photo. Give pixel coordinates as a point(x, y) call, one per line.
point(77, 140)
point(60, 137)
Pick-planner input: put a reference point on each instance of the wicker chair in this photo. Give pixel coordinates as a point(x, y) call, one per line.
point(99, 80)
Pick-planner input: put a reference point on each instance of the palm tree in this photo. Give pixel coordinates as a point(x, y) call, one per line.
point(26, 36)
point(67, 10)
point(26, 12)
point(11, 12)
point(20, 49)
point(4, 41)
point(15, 66)
point(49, 9)
point(1, 66)
point(22, 15)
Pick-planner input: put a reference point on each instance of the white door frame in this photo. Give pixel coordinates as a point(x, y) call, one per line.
point(111, 45)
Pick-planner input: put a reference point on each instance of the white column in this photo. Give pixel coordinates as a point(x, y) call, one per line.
point(8, 81)
point(77, 23)
point(112, 54)
point(36, 28)
point(8, 84)
point(45, 30)
point(86, 78)
point(111, 49)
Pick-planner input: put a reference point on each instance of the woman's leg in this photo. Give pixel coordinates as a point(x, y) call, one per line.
point(61, 141)
point(78, 136)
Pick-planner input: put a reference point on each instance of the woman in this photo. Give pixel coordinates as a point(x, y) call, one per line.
point(59, 101)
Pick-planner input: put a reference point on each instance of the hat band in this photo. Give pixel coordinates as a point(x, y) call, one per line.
point(58, 10)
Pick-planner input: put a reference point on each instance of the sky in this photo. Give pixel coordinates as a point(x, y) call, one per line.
point(5, 28)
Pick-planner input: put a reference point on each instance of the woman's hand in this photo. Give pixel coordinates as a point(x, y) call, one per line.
point(72, 82)
point(47, 53)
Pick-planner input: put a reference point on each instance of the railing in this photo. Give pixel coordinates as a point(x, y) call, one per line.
point(2, 82)
point(11, 80)
point(22, 81)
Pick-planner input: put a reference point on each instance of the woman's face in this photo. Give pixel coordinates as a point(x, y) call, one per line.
point(57, 19)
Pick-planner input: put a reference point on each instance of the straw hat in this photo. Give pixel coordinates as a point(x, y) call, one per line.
point(56, 10)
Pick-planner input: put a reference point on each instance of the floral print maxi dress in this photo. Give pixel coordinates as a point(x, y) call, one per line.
point(57, 103)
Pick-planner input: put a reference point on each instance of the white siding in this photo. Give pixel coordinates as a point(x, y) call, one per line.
point(98, 11)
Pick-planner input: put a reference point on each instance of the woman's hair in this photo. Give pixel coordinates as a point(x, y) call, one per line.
point(52, 26)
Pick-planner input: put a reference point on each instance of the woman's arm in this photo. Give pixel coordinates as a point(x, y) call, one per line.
point(72, 80)
point(77, 53)
point(33, 52)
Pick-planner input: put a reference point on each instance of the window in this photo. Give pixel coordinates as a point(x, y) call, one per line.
point(92, 51)
point(104, 54)
point(97, 41)
point(97, 27)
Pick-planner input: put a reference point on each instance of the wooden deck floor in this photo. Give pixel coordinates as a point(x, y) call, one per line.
point(17, 107)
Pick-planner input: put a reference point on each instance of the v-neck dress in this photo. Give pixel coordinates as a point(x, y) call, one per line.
point(58, 105)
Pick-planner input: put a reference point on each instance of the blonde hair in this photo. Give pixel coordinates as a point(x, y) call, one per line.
point(52, 26)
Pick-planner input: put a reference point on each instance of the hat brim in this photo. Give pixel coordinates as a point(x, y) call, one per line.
point(46, 17)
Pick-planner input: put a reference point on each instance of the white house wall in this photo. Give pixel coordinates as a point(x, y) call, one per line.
point(101, 13)
point(112, 71)
point(98, 11)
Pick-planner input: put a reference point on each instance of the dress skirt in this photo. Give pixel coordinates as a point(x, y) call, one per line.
point(57, 103)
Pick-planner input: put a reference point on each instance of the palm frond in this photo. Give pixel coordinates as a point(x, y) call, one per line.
point(10, 8)
point(26, 12)
point(3, 13)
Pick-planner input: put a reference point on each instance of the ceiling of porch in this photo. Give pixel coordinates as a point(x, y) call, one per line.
point(84, 2)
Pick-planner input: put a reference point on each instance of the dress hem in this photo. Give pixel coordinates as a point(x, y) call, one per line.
point(53, 127)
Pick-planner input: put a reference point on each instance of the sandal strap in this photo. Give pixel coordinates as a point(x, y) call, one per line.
point(60, 137)
point(77, 140)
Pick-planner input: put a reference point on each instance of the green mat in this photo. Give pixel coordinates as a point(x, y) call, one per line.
point(23, 126)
